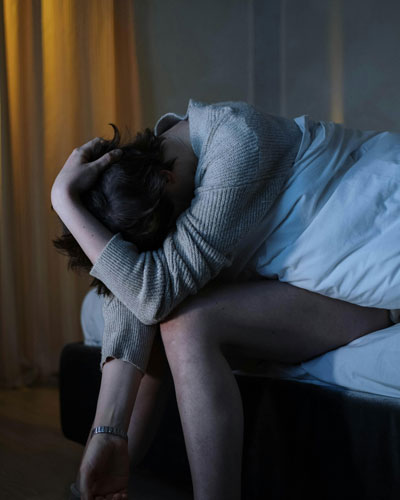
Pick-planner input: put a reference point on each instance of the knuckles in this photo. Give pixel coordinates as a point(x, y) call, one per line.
point(80, 149)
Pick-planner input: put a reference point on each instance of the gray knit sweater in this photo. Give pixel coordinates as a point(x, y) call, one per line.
point(244, 158)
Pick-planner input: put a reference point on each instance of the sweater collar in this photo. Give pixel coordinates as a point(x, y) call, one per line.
point(196, 114)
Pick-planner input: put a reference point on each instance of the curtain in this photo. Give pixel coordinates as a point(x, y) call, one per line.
point(67, 69)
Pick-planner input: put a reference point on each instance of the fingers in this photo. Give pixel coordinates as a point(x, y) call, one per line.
point(87, 149)
point(106, 159)
point(113, 496)
point(120, 496)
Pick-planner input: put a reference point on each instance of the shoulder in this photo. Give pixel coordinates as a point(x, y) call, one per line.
point(206, 119)
point(238, 124)
point(237, 143)
point(223, 140)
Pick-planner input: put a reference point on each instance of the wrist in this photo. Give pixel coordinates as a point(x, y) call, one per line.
point(119, 385)
point(112, 417)
point(60, 196)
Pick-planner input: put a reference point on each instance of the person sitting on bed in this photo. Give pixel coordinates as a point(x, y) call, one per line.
point(223, 234)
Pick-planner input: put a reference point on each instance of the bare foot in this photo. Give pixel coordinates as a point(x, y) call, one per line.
point(104, 470)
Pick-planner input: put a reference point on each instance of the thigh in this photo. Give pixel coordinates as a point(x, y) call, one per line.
point(268, 319)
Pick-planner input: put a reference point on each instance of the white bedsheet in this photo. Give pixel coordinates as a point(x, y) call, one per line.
point(368, 364)
point(92, 321)
point(335, 230)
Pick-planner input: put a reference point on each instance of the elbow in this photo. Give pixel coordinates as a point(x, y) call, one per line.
point(148, 320)
point(149, 316)
point(154, 317)
point(149, 312)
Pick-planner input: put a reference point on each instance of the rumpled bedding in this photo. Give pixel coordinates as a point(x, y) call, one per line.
point(335, 230)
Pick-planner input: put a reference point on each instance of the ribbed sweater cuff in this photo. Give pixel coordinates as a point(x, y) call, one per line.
point(108, 258)
point(125, 337)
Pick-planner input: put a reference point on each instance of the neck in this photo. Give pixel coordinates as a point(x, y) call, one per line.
point(181, 132)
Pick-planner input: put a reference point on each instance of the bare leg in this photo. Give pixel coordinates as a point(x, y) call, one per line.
point(263, 319)
point(154, 390)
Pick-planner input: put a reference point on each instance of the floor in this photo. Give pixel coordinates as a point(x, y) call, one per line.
point(38, 463)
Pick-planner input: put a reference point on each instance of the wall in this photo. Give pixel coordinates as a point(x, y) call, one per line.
point(191, 49)
point(331, 59)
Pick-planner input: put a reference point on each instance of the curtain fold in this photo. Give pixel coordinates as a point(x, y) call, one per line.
point(67, 69)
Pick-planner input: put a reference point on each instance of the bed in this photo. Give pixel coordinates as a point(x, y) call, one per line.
point(328, 427)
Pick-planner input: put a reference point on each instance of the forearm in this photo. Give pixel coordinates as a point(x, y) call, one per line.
point(120, 383)
point(91, 235)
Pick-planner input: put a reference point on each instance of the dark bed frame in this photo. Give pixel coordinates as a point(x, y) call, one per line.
point(300, 440)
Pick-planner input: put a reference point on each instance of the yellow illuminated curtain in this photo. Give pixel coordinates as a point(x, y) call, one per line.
point(67, 69)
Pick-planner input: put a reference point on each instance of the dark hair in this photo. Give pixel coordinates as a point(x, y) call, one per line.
point(128, 198)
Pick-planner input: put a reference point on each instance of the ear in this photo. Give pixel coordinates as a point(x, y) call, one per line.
point(170, 175)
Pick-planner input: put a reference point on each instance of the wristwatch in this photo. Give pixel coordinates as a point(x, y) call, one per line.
point(109, 430)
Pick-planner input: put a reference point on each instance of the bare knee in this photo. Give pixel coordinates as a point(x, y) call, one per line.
point(185, 327)
point(189, 330)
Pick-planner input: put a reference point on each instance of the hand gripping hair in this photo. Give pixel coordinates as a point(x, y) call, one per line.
point(129, 197)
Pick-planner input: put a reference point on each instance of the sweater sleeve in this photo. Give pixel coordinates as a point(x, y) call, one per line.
point(234, 194)
point(124, 336)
